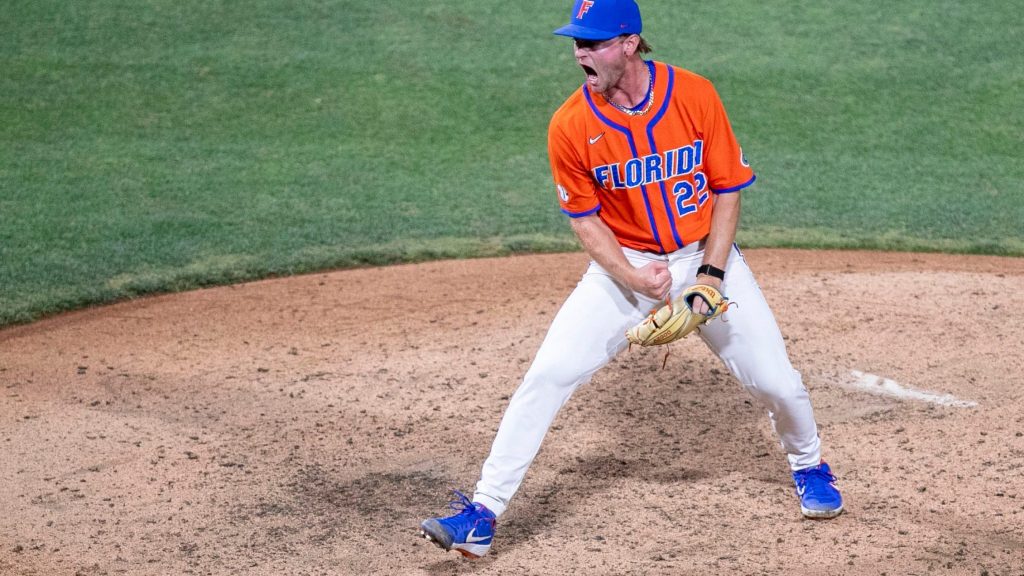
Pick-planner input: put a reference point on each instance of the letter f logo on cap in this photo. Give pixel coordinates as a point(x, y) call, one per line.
point(602, 19)
point(584, 7)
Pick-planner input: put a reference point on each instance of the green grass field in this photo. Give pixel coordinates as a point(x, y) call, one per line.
point(156, 145)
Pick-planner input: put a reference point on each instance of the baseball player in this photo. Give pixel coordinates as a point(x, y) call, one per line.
point(648, 170)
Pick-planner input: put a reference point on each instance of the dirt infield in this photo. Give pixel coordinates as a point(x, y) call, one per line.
point(305, 425)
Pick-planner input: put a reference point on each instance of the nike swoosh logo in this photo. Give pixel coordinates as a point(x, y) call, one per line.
point(471, 539)
point(800, 490)
point(596, 138)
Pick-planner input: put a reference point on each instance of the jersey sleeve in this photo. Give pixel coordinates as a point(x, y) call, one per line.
point(726, 168)
point(577, 193)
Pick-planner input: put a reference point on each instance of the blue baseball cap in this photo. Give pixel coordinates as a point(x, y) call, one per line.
point(602, 19)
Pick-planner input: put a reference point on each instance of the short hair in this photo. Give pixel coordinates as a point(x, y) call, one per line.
point(643, 47)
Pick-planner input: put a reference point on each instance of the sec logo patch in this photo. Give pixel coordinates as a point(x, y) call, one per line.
point(562, 192)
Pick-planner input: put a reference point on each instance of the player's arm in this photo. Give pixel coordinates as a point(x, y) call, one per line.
point(578, 199)
point(652, 280)
point(724, 220)
point(728, 173)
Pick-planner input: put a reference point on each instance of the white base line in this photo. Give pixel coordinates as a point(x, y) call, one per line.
point(875, 384)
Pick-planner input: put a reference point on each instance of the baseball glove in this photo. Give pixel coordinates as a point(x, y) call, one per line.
point(676, 319)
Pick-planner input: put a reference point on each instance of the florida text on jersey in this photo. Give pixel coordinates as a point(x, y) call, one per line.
point(648, 176)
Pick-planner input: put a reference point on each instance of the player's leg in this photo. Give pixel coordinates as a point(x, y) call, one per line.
point(749, 342)
point(588, 331)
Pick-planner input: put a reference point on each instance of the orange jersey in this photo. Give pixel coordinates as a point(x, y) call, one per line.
point(647, 176)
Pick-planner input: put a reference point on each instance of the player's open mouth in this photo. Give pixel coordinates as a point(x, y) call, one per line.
point(591, 74)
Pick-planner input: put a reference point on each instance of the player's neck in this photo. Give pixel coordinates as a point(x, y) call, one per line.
point(632, 88)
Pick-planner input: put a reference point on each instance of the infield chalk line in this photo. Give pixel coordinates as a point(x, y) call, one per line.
point(875, 384)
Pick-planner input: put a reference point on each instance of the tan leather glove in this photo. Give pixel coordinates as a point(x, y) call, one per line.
point(676, 319)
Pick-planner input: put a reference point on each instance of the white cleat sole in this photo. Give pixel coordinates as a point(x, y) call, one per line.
point(820, 514)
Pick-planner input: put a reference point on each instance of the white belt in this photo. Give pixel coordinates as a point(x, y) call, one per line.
point(691, 248)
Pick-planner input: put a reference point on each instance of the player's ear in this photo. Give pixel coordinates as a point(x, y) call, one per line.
point(630, 44)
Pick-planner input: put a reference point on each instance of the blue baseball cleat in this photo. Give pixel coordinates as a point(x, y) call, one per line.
point(469, 532)
point(819, 498)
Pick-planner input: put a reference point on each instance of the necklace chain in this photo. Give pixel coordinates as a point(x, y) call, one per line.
point(650, 100)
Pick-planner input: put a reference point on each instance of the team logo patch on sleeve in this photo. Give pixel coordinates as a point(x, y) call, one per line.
point(743, 159)
point(562, 192)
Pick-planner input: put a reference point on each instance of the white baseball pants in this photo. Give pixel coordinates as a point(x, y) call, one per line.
point(589, 331)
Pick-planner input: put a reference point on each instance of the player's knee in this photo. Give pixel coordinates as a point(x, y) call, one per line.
point(553, 374)
point(778, 387)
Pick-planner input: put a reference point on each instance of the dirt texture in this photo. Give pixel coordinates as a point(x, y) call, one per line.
point(306, 425)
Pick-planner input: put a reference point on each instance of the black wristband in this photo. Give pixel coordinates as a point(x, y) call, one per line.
point(710, 270)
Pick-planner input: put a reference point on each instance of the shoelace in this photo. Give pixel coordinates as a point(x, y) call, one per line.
point(462, 504)
point(817, 473)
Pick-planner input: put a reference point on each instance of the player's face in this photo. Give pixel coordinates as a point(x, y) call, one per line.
point(603, 61)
